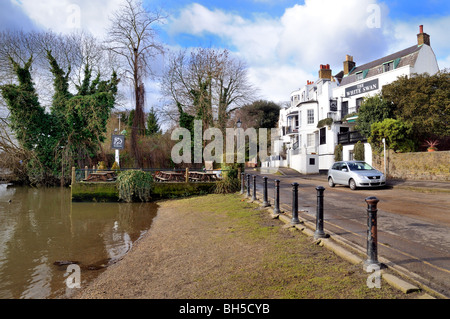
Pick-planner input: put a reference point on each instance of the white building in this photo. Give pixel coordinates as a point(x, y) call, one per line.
point(334, 101)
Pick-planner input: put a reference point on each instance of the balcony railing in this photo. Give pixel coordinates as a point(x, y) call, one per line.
point(350, 137)
point(338, 116)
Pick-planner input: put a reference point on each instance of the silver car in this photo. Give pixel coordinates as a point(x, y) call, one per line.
point(355, 174)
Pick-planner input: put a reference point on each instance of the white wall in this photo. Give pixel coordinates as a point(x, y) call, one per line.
point(426, 61)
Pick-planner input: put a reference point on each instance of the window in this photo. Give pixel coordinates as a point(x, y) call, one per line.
point(323, 136)
point(344, 109)
point(358, 103)
point(359, 76)
point(312, 161)
point(310, 116)
point(388, 66)
point(310, 142)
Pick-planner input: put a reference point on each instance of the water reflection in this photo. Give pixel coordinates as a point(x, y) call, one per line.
point(41, 226)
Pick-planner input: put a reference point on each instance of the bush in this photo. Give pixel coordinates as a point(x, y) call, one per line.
point(134, 185)
point(358, 151)
point(338, 153)
point(227, 185)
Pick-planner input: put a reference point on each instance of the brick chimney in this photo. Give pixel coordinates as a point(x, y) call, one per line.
point(423, 38)
point(348, 64)
point(325, 72)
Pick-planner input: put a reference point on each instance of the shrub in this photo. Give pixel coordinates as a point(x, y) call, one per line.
point(134, 185)
point(338, 153)
point(227, 185)
point(358, 151)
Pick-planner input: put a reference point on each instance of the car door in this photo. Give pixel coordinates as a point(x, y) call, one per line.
point(337, 173)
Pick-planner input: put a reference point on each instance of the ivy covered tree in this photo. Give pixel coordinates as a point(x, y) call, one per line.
point(73, 129)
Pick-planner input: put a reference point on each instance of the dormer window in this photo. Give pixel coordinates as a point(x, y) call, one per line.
point(359, 76)
point(388, 66)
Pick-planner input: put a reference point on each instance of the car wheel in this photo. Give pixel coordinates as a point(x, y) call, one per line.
point(330, 182)
point(352, 184)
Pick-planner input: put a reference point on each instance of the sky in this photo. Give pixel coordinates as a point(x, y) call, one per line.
point(283, 42)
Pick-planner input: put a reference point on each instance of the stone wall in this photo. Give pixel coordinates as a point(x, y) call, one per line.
point(416, 166)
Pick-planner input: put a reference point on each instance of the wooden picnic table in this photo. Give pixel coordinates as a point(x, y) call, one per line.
point(202, 177)
point(169, 176)
point(101, 176)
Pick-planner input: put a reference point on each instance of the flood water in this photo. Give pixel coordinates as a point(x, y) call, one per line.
point(40, 226)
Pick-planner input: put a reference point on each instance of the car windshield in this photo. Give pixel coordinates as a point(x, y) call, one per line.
point(359, 166)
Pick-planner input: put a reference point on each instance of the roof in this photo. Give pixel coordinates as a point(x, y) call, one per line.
point(404, 57)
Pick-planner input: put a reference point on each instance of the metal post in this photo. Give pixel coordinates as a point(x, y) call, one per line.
point(319, 233)
point(242, 183)
point(295, 204)
point(276, 209)
point(265, 200)
point(372, 251)
point(254, 188)
point(248, 185)
point(86, 172)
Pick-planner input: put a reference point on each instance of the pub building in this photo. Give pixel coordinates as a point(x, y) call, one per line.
point(308, 148)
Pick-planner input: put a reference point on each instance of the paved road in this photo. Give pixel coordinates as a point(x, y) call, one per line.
point(413, 227)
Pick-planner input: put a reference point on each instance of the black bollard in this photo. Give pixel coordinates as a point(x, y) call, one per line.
point(276, 209)
point(295, 204)
point(254, 188)
point(372, 251)
point(319, 233)
point(242, 183)
point(248, 185)
point(265, 200)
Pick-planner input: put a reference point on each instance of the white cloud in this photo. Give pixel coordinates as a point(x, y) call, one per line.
point(282, 53)
point(65, 16)
point(404, 34)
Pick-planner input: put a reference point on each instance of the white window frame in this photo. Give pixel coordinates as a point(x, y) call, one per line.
point(311, 140)
point(310, 116)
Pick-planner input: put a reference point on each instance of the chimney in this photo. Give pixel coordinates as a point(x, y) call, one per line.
point(423, 38)
point(325, 72)
point(348, 64)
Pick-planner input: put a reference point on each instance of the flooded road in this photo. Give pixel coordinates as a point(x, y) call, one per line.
point(41, 226)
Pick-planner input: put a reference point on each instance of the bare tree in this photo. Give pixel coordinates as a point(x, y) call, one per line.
point(206, 83)
point(133, 37)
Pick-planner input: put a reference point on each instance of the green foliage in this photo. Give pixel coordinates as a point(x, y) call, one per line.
point(261, 114)
point(398, 135)
point(131, 118)
point(423, 101)
point(152, 123)
point(227, 185)
point(373, 109)
point(134, 185)
point(338, 152)
point(358, 151)
point(325, 122)
point(73, 129)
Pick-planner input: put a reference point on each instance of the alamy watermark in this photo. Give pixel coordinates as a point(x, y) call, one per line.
point(214, 151)
point(374, 279)
point(74, 278)
point(374, 19)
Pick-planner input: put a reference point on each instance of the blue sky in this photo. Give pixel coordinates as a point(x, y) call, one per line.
point(283, 42)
